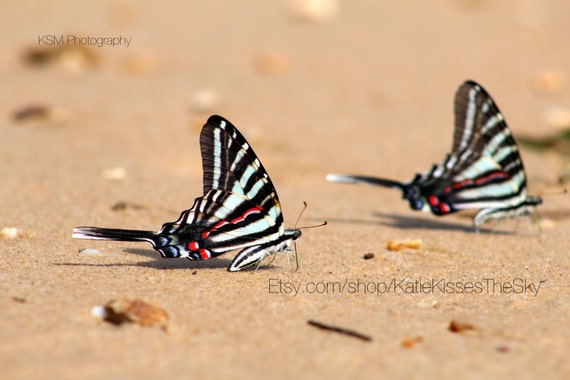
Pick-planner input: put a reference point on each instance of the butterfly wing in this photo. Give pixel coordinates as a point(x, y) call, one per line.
point(240, 205)
point(484, 170)
point(218, 222)
point(230, 164)
point(239, 208)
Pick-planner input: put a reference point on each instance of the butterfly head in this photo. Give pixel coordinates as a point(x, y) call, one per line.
point(292, 233)
point(413, 195)
point(533, 201)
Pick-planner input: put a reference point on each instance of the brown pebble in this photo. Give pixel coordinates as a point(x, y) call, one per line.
point(39, 112)
point(458, 327)
point(135, 311)
point(140, 63)
point(368, 256)
point(397, 245)
point(549, 82)
point(271, 63)
point(502, 349)
point(69, 57)
point(34, 111)
point(409, 343)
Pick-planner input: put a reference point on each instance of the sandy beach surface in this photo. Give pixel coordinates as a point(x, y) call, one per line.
point(106, 134)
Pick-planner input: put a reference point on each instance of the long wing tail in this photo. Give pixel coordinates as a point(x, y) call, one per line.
point(115, 234)
point(357, 179)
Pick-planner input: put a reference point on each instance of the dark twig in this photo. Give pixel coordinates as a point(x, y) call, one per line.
point(340, 330)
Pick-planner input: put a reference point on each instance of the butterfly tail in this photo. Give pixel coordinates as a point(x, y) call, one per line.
point(357, 179)
point(115, 234)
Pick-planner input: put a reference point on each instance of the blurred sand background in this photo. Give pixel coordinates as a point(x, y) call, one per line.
point(108, 136)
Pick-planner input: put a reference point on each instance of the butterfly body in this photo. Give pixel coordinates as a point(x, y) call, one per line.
point(239, 210)
point(484, 170)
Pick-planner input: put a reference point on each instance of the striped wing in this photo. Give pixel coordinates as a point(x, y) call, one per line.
point(230, 164)
point(483, 171)
point(239, 208)
point(240, 204)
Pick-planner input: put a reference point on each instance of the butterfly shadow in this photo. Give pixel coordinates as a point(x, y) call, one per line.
point(407, 222)
point(411, 222)
point(159, 262)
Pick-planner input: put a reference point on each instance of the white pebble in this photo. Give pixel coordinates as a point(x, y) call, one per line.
point(9, 233)
point(427, 304)
point(90, 252)
point(99, 311)
point(115, 173)
point(206, 100)
point(557, 117)
point(314, 10)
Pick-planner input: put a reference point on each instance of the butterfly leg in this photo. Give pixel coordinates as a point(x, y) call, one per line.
point(536, 219)
point(261, 261)
point(298, 262)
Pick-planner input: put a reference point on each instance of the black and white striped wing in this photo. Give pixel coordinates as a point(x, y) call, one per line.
point(484, 170)
point(239, 208)
point(230, 164)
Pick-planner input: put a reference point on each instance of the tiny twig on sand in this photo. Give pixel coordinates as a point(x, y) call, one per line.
point(340, 330)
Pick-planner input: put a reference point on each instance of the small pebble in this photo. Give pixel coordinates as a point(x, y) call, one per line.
point(314, 10)
point(557, 117)
point(71, 58)
point(428, 304)
point(458, 327)
point(368, 256)
point(117, 173)
point(271, 63)
point(90, 252)
point(98, 312)
point(397, 245)
point(9, 233)
point(502, 349)
point(39, 112)
point(206, 100)
point(549, 82)
point(131, 311)
point(141, 63)
point(409, 343)
point(547, 223)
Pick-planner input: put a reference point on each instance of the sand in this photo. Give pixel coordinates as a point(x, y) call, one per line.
point(363, 88)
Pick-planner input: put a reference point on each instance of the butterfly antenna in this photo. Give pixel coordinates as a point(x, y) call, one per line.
point(304, 227)
point(301, 213)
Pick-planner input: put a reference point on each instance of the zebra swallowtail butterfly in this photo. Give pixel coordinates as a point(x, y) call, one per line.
point(483, 171)
point(239, 208)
